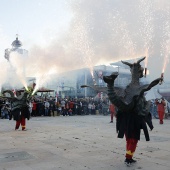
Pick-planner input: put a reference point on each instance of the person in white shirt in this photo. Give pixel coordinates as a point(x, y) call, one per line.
point(47, 105)
point(63, 103)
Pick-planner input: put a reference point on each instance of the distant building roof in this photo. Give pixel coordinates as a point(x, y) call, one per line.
point(120, 64)
point(16, 43)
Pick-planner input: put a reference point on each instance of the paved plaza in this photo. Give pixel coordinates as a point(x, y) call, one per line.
point(79, 143)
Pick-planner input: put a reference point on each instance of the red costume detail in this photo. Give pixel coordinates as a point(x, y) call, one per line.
point(112, 111)
point(161, 109)
point(131, 144)
point(21, 122)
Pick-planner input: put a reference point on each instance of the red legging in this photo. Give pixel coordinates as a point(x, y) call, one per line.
point(112, 115)
point(131, 144)
point(161, 115)
point(21, 122)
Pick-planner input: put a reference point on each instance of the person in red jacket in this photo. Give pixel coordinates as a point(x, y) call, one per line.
point(112, 111)
point(160, 108)
point(71, 106)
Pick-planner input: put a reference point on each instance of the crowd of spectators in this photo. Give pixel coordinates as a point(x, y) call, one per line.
point(49, 106)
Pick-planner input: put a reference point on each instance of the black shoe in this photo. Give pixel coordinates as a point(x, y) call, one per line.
point(111, 121)
point(128, 162)
point(133, 161)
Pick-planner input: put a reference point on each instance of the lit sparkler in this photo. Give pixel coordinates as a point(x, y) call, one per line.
point(162, 78)
point(145, 73)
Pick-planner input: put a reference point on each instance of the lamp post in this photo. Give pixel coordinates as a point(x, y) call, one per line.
point(62, 87)
point(85, 82)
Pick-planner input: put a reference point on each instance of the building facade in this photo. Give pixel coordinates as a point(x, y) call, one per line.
point(16, 47)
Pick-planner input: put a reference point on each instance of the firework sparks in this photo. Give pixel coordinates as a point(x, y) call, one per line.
point(147, 56)
point(81, 41)
point(165, 46)
point(147, 26)
point(91, 71)
point(166, 60)
point(120, 27)
point(83, 44)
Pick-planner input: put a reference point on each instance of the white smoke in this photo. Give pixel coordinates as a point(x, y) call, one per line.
point(103, 31)
point(106, 31)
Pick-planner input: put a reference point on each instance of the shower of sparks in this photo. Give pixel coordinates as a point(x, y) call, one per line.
point(39, 81)
point(91, 71)
point(120, 28)
point(165, 63)
point(147, 56)
point(165, 46)
point(146, 30)
point(42, 79)
point(83, 44)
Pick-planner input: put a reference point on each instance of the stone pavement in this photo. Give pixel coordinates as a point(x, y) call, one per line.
point(79, 143)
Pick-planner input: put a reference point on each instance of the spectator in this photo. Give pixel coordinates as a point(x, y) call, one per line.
point(52, 109)
point(47, 105)
point(93, 109)
point(63, 107)
point(34, 108)
point(41, 108)
point(5, 112)
point(89, 108)
point(160, 108)
point(71, 106)
point(70, 112)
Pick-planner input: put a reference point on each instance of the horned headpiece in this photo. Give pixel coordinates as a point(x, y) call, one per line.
point(130, 65)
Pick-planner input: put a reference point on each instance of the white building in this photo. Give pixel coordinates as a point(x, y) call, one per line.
point(16, 47)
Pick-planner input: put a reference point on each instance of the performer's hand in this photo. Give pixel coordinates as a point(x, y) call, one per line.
point(110, 79)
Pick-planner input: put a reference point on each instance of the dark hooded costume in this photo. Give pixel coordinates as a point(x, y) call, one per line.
point(19, 108)
point(133, 110)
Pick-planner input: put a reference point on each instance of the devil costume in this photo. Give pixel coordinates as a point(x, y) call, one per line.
point(133, 110)
point(19, 108)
